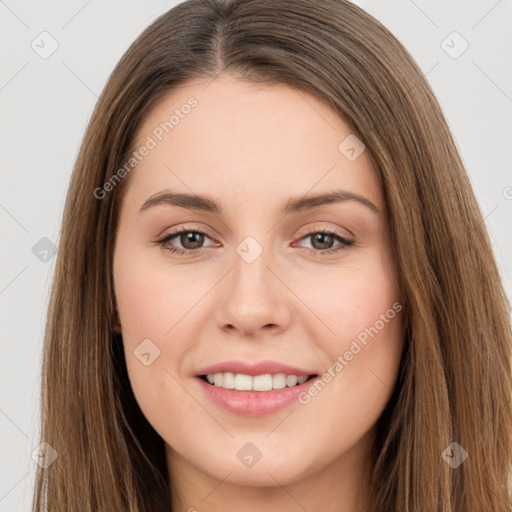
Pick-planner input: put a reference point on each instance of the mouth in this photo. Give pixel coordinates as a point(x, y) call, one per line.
point(258, 383)
point(254, 388)
point(251, 390)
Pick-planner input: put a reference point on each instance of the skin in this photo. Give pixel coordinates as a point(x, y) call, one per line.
point(251, 147)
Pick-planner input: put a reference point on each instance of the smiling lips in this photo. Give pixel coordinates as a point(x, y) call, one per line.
point(243, 382)
point(253, 389)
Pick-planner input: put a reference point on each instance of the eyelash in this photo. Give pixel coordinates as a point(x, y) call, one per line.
point(344, 242)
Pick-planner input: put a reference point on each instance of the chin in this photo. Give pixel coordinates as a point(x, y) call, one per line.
point(264, 467)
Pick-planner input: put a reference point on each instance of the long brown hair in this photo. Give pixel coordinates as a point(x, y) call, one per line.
point(455, 377)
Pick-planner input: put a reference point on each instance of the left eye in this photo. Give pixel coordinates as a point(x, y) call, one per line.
point(189, 240)
point(324, 238)
point(192, 240)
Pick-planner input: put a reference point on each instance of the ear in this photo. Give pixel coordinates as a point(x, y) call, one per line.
point(116, 324)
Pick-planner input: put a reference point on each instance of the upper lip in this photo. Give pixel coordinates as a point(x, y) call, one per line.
point(255, 368)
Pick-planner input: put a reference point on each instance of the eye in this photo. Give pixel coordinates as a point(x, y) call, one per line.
point(322, 241)
point(192, 240)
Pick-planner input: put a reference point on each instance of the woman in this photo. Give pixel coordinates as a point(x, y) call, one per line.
point(274, 286)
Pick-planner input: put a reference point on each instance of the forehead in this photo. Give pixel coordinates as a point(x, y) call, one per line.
point(254, 141)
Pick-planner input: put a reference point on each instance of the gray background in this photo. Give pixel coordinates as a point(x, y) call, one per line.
point(45, 104)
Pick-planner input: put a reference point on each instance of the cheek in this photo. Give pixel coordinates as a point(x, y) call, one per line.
point(144, 319)
point(362, 309)
point(153, 360)
point(355, 299)
point(360, 370)
point(160, 321)
point(150, 300)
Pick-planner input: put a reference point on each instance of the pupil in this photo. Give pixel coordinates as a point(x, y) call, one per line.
point(320, 236)
point(194, 238)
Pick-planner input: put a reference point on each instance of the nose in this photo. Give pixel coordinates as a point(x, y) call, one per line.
point(253, 298)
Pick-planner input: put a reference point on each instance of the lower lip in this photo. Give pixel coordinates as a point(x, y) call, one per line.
point(254, 403)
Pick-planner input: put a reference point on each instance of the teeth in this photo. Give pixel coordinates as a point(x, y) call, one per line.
point(242, 382)
point(279, 381)
point(228, 381)
point(266, 382)
point(262, 382)
point(291, 380)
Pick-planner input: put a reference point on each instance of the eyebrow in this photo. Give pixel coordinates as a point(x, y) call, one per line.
point(293, 205)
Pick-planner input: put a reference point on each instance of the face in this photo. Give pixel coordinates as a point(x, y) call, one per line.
point(238, 277)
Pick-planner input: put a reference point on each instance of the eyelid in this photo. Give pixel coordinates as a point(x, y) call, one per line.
point(335, 231)
point(163, 239)
point(306, 232)
point(344, 242)
point(186, 227)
